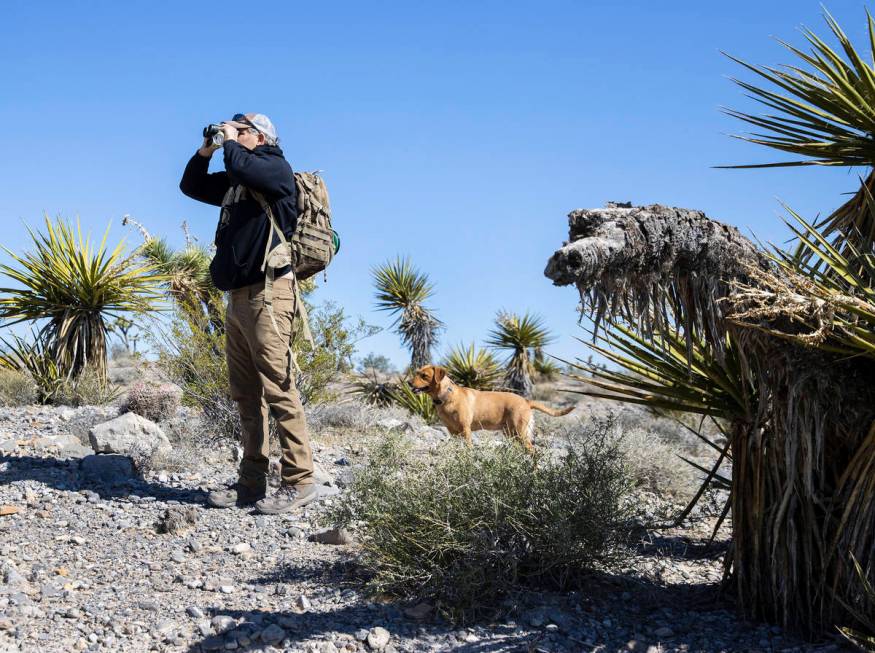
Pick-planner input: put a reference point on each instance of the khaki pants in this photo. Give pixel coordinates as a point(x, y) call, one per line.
point(260, 379)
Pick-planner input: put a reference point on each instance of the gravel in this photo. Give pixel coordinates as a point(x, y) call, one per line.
point(141, 565)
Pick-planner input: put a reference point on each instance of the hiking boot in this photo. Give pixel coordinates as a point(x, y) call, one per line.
point(288, 498)
point(235, 494)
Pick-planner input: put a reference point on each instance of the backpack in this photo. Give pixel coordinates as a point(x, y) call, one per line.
point(311, 249)
point(314, 243)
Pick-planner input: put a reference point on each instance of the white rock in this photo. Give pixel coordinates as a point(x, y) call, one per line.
point(378, 638)
point(127, 434)
point(243, 547)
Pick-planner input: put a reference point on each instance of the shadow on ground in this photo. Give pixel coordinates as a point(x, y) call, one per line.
point(64, 475)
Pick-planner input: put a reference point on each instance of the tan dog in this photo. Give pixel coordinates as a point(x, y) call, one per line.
point(463, 410)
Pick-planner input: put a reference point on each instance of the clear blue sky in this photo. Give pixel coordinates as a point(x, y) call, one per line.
point(457, 133)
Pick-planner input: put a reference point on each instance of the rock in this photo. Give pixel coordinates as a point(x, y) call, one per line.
point(272, 634)
point(8, 446)
point(194, 612)
point(243, 547)
point(129, 434)
point(9, 510)
point(226, 589)
point(223, 622)
point(148, 604)
point(378, 638)
point(335, 536)
point(178, 556)
point(12, 578)
point(361, 634)
point(664, 632)
point(213, 644)
point(393, 425)
point(303, 603)
point(177, 520)
point(109, 469)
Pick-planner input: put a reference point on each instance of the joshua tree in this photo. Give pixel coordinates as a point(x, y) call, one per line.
point(403, 289)
point(520, 336)
point(779, 344)
point(473, 367)
point(76, 288)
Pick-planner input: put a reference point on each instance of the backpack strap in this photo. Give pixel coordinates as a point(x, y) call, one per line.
point(278, 257)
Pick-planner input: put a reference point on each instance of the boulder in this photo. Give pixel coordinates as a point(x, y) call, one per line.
point(129, 434)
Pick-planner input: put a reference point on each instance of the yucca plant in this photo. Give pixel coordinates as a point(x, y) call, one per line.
point(370, 390)
point(825, 114)
point(402, 290)
point(415, 403)
point(32, 358)
point(187, 278)
point(862, 635)
point(520, 336)
point(546, 369)
point(778, 343)
point(473, 367)
point(75, 287)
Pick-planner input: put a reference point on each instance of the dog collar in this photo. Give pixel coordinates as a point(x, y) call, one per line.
point(438, 402)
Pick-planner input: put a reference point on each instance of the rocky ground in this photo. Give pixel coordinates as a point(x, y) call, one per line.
point(97, 558)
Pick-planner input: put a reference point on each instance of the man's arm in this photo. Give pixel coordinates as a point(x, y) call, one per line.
point(269, 175)
point(200, 185)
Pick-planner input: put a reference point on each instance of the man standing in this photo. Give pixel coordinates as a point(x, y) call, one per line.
point(257, 343)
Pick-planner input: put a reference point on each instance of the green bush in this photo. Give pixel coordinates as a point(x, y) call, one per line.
point(16, 388)
point(194, 359)
point(88, 389)
point(471, 524)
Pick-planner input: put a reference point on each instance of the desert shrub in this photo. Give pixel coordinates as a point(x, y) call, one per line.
point(88, 389)
point(154, 402)
point(16, 388)
point(471, 524)
point(194, 359)
point(351, 415)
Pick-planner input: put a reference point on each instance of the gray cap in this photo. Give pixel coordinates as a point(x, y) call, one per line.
point(258, 120)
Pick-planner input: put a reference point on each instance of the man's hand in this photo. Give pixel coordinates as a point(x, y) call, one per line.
point(230, 131)
point(206, 150)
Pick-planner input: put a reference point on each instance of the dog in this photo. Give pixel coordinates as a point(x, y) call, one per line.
point(463, 410)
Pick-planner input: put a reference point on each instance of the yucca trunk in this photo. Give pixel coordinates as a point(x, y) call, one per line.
point(519, 374)
point(802, 443)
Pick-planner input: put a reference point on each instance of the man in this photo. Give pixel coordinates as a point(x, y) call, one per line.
point(259, 369)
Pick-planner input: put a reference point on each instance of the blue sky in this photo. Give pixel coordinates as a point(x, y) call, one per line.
point(459, 134)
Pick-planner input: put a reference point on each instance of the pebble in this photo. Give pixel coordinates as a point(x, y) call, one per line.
point(243, 547)
point(194, 612)
point(272, 634)
point(378, 638)
point(303, 603)
point(223, 622)
point(226, 589)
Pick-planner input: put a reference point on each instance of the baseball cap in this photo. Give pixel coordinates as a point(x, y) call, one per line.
point(257, 120)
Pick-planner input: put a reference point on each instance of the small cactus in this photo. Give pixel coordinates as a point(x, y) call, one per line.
point(154, 402)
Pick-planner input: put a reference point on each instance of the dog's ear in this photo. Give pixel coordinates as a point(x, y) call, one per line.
point(439, 374)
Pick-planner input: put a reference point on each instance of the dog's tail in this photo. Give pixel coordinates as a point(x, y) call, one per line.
point(555, 412)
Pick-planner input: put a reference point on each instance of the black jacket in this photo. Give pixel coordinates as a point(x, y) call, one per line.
point(243, 226)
